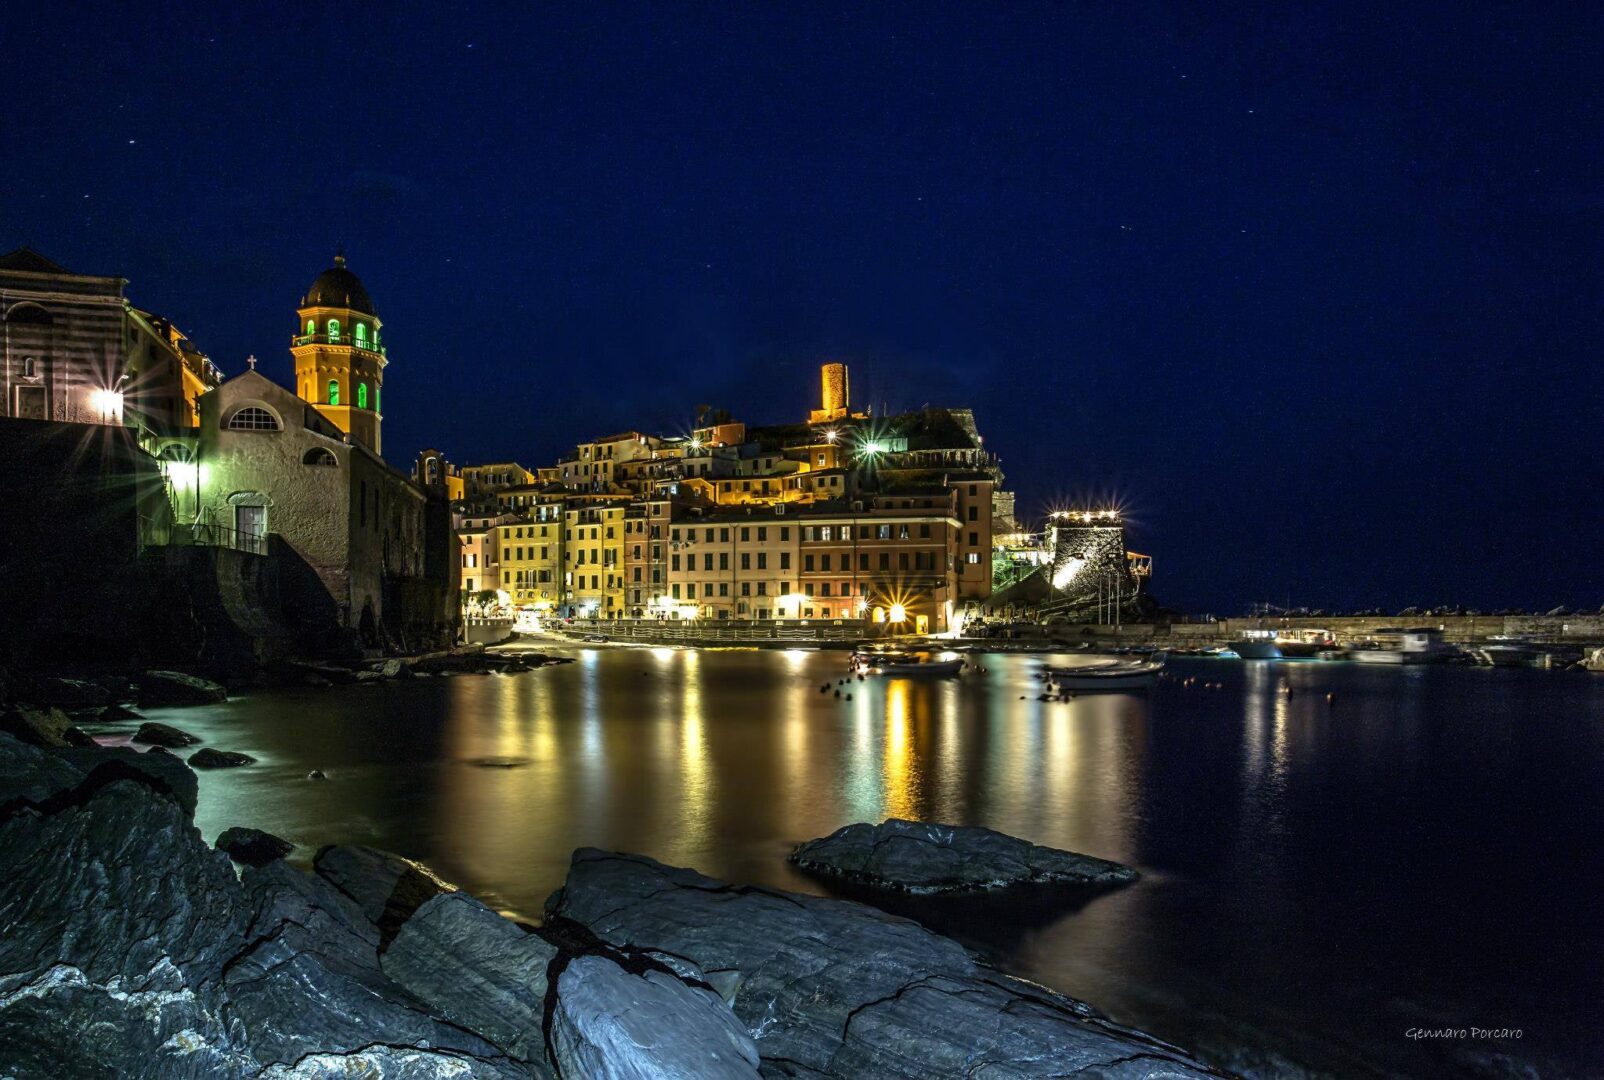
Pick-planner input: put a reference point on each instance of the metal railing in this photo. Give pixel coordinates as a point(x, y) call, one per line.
point(722, 630)
point(154, 532)
point(367, 344)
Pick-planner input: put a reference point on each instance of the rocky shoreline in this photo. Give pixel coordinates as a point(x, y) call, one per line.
point(131, 948)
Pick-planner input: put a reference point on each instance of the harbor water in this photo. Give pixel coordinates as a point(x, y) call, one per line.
point(1327, 873)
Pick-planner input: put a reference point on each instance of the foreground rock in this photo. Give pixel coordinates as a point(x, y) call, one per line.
point(830, 988)
point(154, 733)
point(476, 969)
point(42, 727)
point(132, 949)
point(621, 1021)
point(252, 847)
point(921, 857)
point(158, 688)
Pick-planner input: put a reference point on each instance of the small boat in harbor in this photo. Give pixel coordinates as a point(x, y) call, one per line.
point(1109, 676)
point(1501, 651)
point(898, 663)
point(1283, 644)
point(1421, 645)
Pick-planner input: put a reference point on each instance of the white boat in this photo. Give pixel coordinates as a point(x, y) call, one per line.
point(1109, 676)
point(1503, 651)
point(904, 664)
point(1421, 645)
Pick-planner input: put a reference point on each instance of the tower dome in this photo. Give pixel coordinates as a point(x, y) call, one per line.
point(338, 287)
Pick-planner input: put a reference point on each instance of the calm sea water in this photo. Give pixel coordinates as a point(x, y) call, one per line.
point(1425, 852)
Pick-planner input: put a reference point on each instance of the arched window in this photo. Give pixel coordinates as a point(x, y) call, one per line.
point(319, 455)
point(311, 327)
point(361, 395)
point(253, 418)
point(30, 367)
point(375, 397)
point(334, 329)
point(334, 391)
point(361, 336)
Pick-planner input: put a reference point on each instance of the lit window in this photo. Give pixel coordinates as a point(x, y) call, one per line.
point(311, 326)
point(334, 391)
point(334, 329)
point(361, 336)
point(252, 418)
point(361, 392)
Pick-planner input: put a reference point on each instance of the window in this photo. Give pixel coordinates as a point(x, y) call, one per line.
point(361, 336)
point(319, 456)
point(824, 532)
point(334, 391)
point(807, 562)
point(253, 418)
point(334, 329)
point(361, 391)
point(824, 562)
point(902, 532)
point(762, 560)
point(863, 560)
point(924, 532)
point(883, 532)
point(762, 588)
point(311, 327)
point(785, 560)
point(974, 513)
point(973, 557)
point(974, 538)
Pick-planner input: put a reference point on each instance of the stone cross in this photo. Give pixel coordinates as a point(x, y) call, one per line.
point(251, 360)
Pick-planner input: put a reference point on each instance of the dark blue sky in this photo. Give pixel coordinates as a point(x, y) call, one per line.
point(1317, 295)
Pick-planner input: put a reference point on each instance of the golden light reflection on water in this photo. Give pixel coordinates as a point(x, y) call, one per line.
point(899, 771)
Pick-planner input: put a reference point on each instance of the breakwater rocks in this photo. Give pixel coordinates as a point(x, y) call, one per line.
point(133, 949)
point(921, 857)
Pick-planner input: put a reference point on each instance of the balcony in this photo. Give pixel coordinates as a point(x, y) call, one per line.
point(365, 344)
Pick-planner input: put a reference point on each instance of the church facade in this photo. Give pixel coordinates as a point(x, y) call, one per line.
point(296, 476)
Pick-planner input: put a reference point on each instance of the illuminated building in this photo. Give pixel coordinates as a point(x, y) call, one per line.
point(74, 350)
point(593, 553)
point(339, 357)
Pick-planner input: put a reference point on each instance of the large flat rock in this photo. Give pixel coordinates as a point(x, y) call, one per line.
point(922, 857)
point(830, 988)
point(617, 1021)
point(477, 970)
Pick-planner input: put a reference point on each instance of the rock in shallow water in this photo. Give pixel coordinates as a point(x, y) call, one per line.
point(829, 988)
point(153, 733)
point(252, 847)
point(208, 758)
point(176, 688)
point(919, 856)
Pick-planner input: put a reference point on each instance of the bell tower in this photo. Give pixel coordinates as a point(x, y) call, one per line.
point(339, 357)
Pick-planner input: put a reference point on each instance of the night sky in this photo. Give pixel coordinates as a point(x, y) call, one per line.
point(1315, 296)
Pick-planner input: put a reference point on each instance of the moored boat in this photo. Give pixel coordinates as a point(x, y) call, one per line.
point(1421, 645)
point(893, 663)
point(1110, 676)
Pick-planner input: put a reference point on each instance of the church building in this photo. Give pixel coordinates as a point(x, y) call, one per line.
point(297, 476)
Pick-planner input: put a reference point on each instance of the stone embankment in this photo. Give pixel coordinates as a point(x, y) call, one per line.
point(131, 948)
